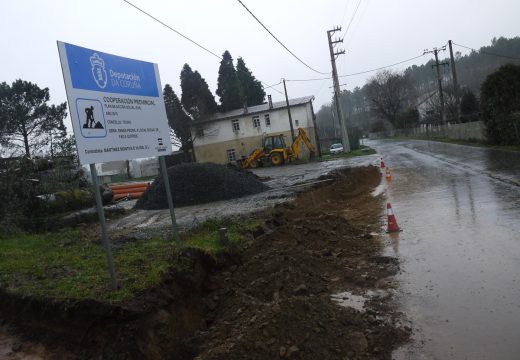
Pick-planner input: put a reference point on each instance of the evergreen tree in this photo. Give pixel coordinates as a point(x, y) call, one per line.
point(228, 86)
point(27, 122)
point(196, 97)
point(178, 120)
point(468, 105)
point(252, 88)
point(500, 105)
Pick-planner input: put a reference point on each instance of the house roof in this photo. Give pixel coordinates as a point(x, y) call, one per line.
point(256, 109)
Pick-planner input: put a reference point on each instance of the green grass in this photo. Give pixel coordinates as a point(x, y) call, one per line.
point(68, 265)
point(476, 143)
point(362, 151)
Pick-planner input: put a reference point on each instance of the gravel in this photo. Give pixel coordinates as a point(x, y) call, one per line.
point(193, 183)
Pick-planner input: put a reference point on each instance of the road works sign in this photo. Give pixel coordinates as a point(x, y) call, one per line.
point(116, 105)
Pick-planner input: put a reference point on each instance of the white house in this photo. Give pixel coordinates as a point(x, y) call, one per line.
point(229, 136)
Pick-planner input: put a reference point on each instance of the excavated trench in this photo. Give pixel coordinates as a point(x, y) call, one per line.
point(275, 297)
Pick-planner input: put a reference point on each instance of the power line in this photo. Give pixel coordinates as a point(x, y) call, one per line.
point(487, 53)
point(187, 38)
point(361, 72)
point(352, 18)
point(285, 47)
point(356, 25)
point(383, 67)
point(344, 12)
point(172, 29)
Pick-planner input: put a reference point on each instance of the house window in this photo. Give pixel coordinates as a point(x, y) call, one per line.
point(297, 123)
point(236, 125)
point(256, 121)
point(199, 132)
point(231, 155)
point(267, 120)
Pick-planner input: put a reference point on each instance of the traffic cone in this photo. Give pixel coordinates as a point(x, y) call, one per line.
point(388, 175)
point(382, 164)
point(392, 222)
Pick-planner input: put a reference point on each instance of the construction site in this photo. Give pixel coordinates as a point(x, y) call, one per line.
point(303, 275)
point(243, 180)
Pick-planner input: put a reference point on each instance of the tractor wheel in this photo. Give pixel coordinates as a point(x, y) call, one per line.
point(254, 164)
point(276, 159)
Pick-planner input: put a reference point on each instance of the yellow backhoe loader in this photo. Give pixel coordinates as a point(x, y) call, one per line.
point(275, 152)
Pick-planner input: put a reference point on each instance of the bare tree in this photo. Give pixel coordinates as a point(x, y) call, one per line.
point(389, 93)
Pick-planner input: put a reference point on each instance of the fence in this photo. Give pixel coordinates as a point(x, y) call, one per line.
point(475, 130)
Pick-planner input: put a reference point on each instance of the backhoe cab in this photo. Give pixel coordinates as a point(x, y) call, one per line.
point(275, 152)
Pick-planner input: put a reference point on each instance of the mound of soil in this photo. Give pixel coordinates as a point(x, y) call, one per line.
point(271, 299)
point(278, 303)
point(193, 183)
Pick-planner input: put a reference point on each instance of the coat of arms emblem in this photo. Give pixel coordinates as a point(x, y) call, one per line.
point(98, 70)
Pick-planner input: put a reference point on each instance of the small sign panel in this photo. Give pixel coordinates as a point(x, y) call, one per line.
point(115, 104)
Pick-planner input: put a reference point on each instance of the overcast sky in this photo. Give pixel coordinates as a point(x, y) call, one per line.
point(382, 32)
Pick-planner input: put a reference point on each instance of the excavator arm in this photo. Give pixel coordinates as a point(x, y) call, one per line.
point(295, 147)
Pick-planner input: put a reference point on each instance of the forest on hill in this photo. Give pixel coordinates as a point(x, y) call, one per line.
point(420, 100)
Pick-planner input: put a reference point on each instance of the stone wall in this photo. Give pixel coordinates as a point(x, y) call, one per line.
point(475, 130)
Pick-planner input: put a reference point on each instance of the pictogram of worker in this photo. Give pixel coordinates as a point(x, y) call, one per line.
point(89, 111)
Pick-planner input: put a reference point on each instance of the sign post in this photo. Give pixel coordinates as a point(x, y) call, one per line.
point(170, 200)
point(117, 112)
point(104, 235)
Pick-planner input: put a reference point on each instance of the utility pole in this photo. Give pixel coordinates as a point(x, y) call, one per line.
point(454, 78)
point(342, 121)
point(437, 65)
point(288, 110)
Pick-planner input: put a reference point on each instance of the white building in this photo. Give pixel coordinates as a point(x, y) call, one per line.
point(229, 136)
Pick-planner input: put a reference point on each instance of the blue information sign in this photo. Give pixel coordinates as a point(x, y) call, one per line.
point(99, 71)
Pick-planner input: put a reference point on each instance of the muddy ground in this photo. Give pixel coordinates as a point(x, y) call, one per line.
point(311, 284)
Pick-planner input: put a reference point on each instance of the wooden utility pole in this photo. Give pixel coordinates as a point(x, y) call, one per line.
point(288, 110)
point(456, 91)
point(437, 65)
point(337, 92)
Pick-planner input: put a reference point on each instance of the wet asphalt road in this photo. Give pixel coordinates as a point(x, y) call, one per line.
point(459, 208)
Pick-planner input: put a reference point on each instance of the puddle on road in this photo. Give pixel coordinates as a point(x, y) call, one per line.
point(347, 299)
point(357, 302)
point(379, 189)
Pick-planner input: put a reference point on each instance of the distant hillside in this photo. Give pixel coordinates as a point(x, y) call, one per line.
point(472, 70)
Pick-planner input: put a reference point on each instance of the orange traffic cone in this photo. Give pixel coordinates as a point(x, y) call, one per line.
point(382, 163)
point(392, 222)
point(388, 175)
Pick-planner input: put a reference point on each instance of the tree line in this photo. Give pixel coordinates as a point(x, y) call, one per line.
point(236, 87)
point(401, 100)
point(29, 125)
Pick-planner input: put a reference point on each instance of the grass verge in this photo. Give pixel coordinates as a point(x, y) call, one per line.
point(71, 265)
point(362, 151)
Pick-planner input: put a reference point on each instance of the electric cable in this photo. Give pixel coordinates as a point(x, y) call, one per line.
point(487, 53)
point(361, 72)
point(285, 47)
point(352, 18)
point(187, 38)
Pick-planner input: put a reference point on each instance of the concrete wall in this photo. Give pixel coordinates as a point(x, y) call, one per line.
point(465, 131)
point(217, 152)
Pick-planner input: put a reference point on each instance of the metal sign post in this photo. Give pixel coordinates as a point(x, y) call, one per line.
point(117, 113)
point(104, 236)
point(170, 200)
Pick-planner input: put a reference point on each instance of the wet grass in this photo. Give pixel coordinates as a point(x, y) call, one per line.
point(71, 265)
point(362, 151)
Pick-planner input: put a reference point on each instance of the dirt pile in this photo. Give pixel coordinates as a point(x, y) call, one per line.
point(278, 303)
point(275, 298)
point(193, 183)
